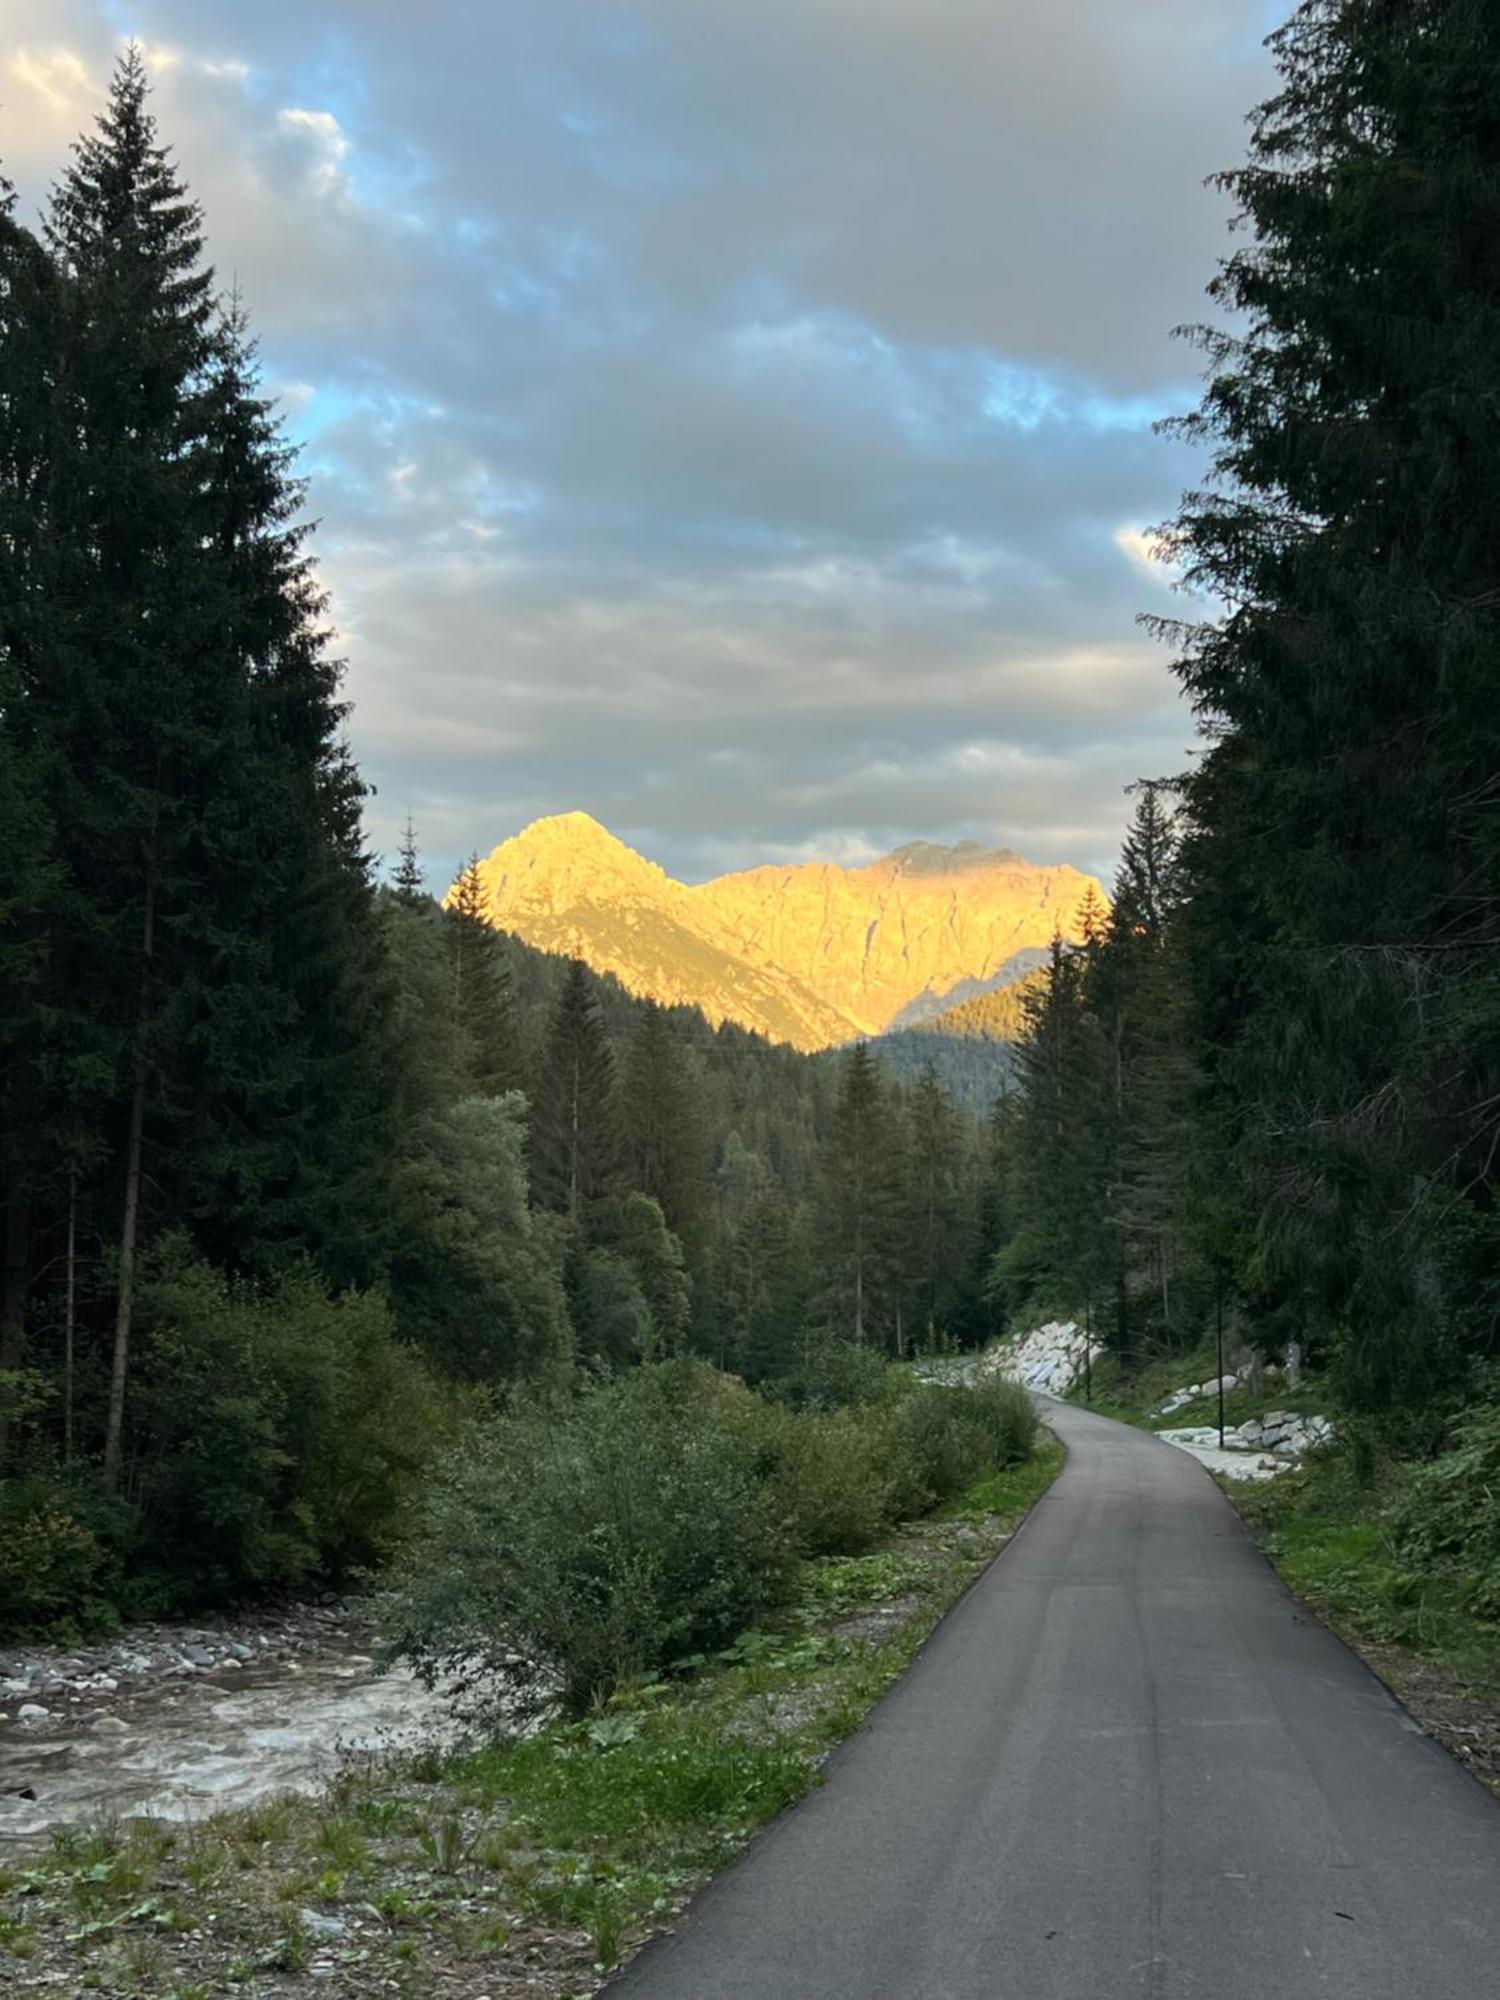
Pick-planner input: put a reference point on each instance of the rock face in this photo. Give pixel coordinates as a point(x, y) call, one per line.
point(1258, 1449)
point(809, 953)
point(1193, 1393)
point(1050, 1358)
point(1286, 1432)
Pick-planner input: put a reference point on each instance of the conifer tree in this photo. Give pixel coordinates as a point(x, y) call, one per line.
point(31, 881)
point(860, 1197)
point(136, 689)
point(409, 881)
point(1343, 852)
point(932, 1247)
point(209, 957)
point(481, 987)
point(574, 1127)
point(1062, 1147)
point(662, 1130)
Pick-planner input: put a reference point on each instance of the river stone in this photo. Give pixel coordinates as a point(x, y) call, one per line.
point(31, 1713)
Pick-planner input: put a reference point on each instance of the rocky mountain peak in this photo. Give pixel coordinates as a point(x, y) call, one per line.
point(810, 953)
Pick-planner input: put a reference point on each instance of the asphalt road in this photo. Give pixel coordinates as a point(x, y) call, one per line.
point(1125, 1764)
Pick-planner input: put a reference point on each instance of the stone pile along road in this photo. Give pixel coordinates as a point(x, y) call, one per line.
point(1127, 1764)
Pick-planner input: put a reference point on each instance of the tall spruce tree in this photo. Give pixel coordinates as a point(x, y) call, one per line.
point(1060, 1148)
point(194, 1042)
point(481, 987)
point(1344, 849)
point(135, 687)
point(409, 881)
point(860, 1206)
point(31, 878)
point(931, 1229)
point(663, 1136)
point(575, 1112)
point(1135, 988)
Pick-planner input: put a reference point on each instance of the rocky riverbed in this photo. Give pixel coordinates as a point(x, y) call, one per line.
point(178, 1721)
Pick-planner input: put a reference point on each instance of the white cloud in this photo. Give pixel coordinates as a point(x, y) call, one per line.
point(59, 76)
point(330, 143)
point(1144, 553)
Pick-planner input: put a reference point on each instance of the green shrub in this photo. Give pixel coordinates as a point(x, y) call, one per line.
point(652, 1519)
point(279, 1430)
point(55, 1563)
point(823, 1471)
point(940, 1440)
point(597, 1539)
point(834, 1374)
point(1449, 1520)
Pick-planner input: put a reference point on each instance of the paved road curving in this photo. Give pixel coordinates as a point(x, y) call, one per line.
point(1126, 1764)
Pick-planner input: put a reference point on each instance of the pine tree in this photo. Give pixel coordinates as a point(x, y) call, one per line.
point(288, 1145)
point(209, 958)
point(1062, 1148)
point(32, 880)
point(664, 1144)
point(931, 1232)
point(482, 997)
point(574, 1128)
point(1343, 853)
point(765, 1288)
point(409, 880)
point(860, 1198)
point(136, 690)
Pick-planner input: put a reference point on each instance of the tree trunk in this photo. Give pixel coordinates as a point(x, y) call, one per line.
point(1166, 1303)
point(70, 1300)
point(130, 1221)
point(14, 1283)
point(1122, 1318)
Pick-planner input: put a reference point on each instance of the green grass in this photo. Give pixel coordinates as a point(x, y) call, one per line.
point(543, 1858)
point(1330, 1534)
point(1132, 1398)
point(1016, 1490)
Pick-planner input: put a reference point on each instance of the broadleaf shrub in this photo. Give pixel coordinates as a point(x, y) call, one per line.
point(649, 1520)
point(282, 1427)
point(597, 1539)
point(56, 1566)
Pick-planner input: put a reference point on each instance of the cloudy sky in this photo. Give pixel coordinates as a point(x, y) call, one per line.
point(731, 417)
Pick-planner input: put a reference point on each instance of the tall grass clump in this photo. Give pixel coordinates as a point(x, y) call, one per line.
point(1449, 1521)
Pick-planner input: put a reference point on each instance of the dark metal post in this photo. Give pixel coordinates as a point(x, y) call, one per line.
point(1219, 1332)
point(1088, 1350)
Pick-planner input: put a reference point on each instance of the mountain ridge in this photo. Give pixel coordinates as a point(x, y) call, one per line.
point(811, 953)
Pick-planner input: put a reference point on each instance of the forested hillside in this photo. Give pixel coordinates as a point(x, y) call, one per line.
point(301, 1172)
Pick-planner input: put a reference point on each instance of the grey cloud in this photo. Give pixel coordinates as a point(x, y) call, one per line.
point(720, 418)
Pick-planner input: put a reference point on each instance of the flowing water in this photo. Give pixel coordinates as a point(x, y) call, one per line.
point(190, 1748)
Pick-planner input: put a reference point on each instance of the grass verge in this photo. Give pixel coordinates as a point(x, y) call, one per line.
point(1132, 1398)
point(522, 1867)
point(1329, 1535)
